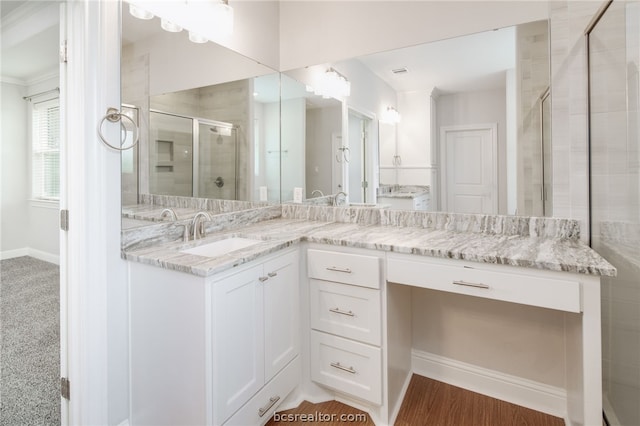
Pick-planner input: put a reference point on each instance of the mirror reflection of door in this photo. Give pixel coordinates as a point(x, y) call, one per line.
point(322, 140)
point(360, 154)
point(469, 156)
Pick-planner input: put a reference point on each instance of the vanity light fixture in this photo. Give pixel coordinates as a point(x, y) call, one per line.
point(139, 12)
point(332, 84)
point(391, 115)
point(170, 26)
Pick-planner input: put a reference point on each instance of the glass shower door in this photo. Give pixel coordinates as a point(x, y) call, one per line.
point(217, 161)
point(614, 58)
point(170, 154)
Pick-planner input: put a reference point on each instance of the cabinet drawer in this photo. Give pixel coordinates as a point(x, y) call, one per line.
point(259, 409)
point(529, 289)
point(350, 367)
point(344, 268)
point(346, 310)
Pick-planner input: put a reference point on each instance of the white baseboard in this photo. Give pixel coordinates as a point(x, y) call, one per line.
point(27, 251)
point(610, 412)
point(43, 255)
point(516, 390)
point(10, 254)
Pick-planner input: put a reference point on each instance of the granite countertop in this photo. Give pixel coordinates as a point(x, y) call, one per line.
point(404, 194)
point(556, 254)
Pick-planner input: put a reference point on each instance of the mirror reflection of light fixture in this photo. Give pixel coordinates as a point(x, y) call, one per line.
point(170, 26)
point(391, 115)
point(332, 84)
point(204, 19)
point(197, 38)
point(139, 13)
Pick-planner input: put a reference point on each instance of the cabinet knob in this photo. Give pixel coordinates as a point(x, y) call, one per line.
point(272, 274)
point(263, 279)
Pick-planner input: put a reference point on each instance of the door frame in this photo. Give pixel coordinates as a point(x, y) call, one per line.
point(444, 130)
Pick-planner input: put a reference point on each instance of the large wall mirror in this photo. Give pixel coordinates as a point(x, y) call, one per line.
point(209, 118)
point(470, 132)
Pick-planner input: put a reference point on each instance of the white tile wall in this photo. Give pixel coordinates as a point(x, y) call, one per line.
point(614, 58)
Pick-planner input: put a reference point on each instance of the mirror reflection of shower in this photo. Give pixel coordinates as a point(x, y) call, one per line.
point(191, 156)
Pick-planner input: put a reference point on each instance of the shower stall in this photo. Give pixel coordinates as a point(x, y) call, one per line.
point(192, 157)
point(614, 101)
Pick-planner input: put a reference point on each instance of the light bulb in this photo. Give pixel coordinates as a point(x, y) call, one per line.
point(170, 26)
point(197, 38)
point(139, 12)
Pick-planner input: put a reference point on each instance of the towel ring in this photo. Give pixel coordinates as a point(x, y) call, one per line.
point(113, 115)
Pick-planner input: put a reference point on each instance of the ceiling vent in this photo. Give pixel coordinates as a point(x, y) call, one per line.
point(402, 70)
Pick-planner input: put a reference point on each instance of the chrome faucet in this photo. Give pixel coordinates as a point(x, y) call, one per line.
point(318, 191)
point(169, 212)
point(336, 198)
point(198, 223)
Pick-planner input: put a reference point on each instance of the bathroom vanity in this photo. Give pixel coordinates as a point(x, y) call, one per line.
point(322, 310)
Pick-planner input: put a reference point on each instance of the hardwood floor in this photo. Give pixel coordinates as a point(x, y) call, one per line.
point(433, 403)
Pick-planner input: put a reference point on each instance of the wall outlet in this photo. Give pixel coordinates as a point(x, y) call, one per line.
point(297, 195)
point(263, 193)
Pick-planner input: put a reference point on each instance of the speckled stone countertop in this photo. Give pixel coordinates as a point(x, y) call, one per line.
point(556, 254)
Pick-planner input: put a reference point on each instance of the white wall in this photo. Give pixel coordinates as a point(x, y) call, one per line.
point(499, 336)
point(44, 224)
point(313, 32)
point(293, 112)
point(28, 227)
point(14, 183)
point(476, 108)
point(322, 123)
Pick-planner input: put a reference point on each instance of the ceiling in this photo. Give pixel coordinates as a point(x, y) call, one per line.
point(461, 64)
point(30, 39)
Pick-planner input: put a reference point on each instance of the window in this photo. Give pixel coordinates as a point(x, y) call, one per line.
point(45, 166)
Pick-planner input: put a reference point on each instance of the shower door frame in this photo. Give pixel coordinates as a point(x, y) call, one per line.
point(195, 136)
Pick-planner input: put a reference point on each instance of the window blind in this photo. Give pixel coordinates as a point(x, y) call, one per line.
point(45, 166)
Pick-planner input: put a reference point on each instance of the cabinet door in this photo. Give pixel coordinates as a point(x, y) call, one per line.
point(238, 341)
point(281, 313)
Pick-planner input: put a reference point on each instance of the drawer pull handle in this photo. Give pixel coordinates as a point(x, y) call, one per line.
point(341, 312)
point(336, 269)
point(468, 284)
point(263, 279)
point(266, 408)
point(272, 274)
point(343, 368)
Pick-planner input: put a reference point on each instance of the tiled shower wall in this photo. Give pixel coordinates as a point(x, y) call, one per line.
point(568, 21)
point(614, 60)
point(532, 46)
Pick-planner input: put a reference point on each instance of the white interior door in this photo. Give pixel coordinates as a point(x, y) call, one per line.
point(64, 168)
point(337, 164)
point(470, 177)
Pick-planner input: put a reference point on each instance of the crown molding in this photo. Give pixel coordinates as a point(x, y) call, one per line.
point(53, 73)
point(12, 80)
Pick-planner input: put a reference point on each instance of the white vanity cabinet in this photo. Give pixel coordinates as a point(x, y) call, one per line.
point(220, 350)
point(346, 321)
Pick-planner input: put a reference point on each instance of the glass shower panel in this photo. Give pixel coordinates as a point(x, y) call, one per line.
point(217, 161)
point(614, 57)
point(170, 154)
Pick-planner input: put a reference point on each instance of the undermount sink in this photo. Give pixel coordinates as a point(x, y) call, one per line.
point(221, 247)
